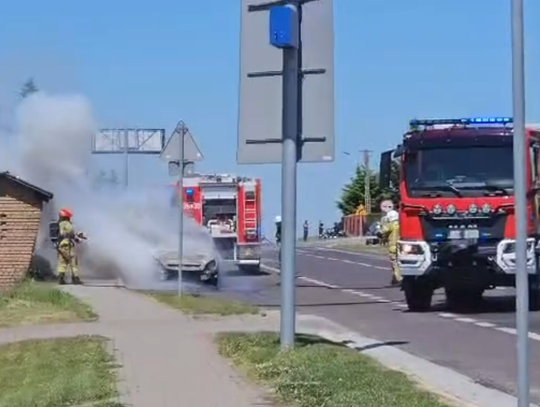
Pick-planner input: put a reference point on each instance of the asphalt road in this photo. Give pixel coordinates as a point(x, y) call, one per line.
point(352, 289)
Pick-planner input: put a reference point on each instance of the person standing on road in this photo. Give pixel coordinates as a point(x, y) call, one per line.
point(306, 230)
point(321, 229)
point(277, 236)
point(67, 259)
point(390, 231)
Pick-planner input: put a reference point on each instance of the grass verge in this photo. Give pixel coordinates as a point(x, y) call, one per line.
point(319, 373)
point(37, 303)
point(57, 372)
point(204, 305)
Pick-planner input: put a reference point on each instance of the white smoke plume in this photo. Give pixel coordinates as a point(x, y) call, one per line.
point(125, 229)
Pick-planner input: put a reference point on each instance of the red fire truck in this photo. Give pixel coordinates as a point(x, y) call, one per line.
point(230, 207)
point(457, 215)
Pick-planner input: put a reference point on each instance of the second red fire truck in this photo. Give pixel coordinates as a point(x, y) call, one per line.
point(457, 213)
point(230, 208)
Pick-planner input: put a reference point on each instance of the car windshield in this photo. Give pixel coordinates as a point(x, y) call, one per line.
point(472, 171)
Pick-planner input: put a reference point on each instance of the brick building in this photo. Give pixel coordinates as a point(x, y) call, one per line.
point(21, 205)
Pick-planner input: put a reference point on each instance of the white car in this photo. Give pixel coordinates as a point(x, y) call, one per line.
point(204, 264)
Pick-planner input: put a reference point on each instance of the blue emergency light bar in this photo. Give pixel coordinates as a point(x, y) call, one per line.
point(189, 192)
point(464, 121)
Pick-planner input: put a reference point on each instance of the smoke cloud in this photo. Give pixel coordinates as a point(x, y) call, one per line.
point(125, 228)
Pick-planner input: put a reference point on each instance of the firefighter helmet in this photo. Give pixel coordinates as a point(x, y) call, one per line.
point(277, 219)
point(392, 216)
point(65, 213)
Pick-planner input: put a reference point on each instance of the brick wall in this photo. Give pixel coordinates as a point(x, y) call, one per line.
point(20, 217)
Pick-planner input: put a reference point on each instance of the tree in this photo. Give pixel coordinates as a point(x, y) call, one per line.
point(353, 193)
point(106, 178)
point(100, 178)
point(28, 88)
point(113, 178)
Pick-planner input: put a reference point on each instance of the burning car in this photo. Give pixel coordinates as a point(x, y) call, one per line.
point(204, 264)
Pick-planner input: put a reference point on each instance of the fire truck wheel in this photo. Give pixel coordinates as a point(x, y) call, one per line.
point(418, 293)
point(250, 270)
point(534, 298)
point(460, 297)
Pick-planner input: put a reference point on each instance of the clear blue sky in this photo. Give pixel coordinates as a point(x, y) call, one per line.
point(152, 63)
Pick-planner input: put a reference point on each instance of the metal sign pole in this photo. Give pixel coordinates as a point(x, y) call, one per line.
point(303, 31)
point(290, 123)
point(520, 190)
point(181, 145)
point(126, 158)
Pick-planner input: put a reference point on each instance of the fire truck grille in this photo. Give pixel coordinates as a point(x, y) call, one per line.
point(487, 229)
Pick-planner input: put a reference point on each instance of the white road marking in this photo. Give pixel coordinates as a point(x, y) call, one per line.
point(347, 261)
point(506, 330)
point(270, 269)
point(318, 282)
point(446, 315)
point(467, 320)
point(367, 255)
point(485, 324)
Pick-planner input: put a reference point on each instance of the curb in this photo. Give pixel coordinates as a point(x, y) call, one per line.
point(438, 379)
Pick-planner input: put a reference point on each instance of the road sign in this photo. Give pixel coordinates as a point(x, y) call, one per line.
point(171, 150)
point(287, 109)
point(174, 168)
point(135, 141)
point(181, 152)
point(128, 141)
point(261, 66)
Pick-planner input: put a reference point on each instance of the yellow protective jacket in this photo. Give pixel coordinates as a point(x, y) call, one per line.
point(391, 230)
point(66, 232)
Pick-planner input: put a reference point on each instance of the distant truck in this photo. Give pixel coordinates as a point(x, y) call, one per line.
point(229, 207)
point(457, 213)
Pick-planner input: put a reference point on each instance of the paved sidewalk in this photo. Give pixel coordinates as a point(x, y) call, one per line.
point(167, 359)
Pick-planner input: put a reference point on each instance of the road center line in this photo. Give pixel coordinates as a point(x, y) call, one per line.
point(446, 315)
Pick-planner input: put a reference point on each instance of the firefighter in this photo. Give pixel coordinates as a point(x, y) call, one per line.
point(390, 231)
point(306, 230)
point(67, 259)
point(383, 241)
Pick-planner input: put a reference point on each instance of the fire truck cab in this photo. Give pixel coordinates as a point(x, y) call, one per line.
point(457, 215)
point(230, 207)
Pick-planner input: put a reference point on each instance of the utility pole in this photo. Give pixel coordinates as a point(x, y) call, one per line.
point(367, 181)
